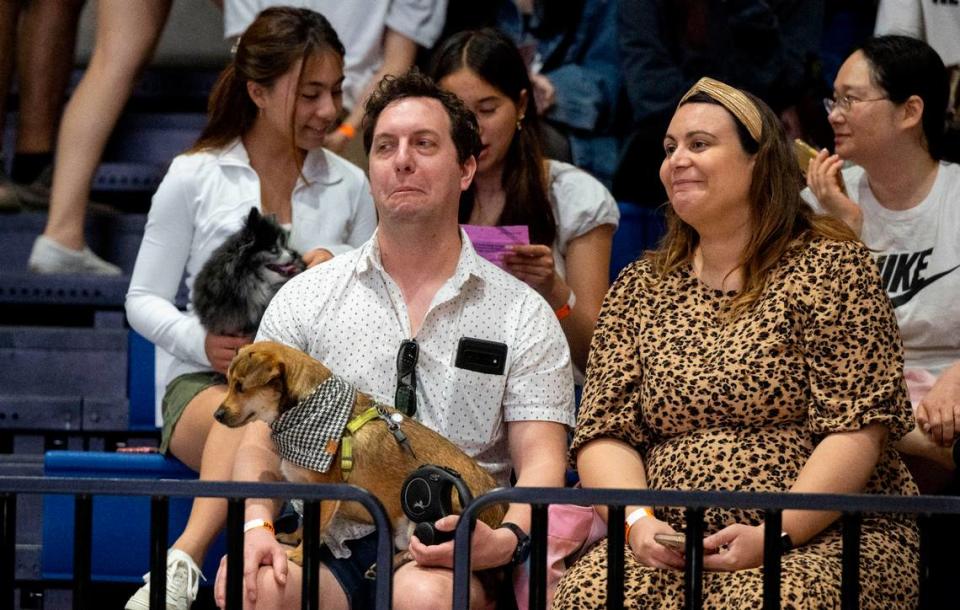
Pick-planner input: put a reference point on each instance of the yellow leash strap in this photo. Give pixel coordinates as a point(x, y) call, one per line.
point(346, 446)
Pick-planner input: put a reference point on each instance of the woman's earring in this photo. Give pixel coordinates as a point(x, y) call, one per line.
point(520, 123)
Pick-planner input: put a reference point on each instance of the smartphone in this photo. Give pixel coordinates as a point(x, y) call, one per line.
point(677, 542)
point(805, 153)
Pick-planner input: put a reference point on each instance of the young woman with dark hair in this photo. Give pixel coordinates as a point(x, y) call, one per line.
point(262, 148)
point(570, 215)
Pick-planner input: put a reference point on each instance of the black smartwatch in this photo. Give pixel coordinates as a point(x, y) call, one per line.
point(522, 551)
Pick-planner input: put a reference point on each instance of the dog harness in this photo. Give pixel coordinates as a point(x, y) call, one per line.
point(308, 433)
point(376, 411)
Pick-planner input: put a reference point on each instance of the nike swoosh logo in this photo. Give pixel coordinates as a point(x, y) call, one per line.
point(919, 285)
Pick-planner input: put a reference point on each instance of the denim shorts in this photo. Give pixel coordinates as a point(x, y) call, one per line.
point(351, 572)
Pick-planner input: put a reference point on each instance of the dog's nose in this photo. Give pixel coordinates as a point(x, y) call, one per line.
point(220, 414)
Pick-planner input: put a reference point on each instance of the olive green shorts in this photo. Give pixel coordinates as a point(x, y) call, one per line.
point(179, 393)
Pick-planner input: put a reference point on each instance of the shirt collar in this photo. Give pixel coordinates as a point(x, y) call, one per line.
point(317, 167)
point(469, 265)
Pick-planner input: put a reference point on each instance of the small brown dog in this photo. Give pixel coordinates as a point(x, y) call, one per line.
point(266, 379)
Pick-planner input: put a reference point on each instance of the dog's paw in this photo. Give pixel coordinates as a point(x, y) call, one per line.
point(296, 555)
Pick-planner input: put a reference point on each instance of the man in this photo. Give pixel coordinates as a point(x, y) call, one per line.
point(419, 278)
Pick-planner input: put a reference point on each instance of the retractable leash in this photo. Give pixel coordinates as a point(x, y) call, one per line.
point(426, 496)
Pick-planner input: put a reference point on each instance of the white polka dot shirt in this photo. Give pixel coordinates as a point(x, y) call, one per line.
point(349, 314)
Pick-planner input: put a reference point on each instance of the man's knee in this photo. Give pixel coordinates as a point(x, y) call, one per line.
point(422, 589)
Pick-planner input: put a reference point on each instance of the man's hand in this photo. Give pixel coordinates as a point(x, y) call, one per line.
point(735, 547)
point(938, 414)
point(221, 349)
point(260, 548)
point(489, 547)
point(648, 551)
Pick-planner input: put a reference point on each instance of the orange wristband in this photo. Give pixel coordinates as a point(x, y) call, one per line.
point(632, 519)
point(567, 307)
point(348, 130)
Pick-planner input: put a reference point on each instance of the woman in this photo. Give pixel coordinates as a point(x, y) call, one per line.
point(570, 215)
point(887, 115)
point(269, 113)
point(755, 350)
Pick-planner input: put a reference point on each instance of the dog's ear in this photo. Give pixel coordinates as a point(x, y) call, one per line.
point(260, 367)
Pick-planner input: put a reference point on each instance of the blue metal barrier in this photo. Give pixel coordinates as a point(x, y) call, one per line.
point(160, 492)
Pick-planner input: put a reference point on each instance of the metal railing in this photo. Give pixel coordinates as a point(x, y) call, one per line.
point(160, 492)
point(851, 507)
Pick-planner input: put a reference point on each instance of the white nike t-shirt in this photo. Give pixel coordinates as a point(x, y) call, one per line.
point(918, 251)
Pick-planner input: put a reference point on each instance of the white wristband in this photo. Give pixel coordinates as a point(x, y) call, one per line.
point(638, 514)
point(255, 523)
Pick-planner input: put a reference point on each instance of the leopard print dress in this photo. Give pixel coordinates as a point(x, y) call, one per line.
point(717, 405)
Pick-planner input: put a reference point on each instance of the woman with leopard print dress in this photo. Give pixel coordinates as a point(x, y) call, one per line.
point(755, 351)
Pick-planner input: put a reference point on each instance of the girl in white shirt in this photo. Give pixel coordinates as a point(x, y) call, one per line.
point(262, 148)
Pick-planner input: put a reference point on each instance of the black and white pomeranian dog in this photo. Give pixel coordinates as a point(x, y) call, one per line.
point(233, 288)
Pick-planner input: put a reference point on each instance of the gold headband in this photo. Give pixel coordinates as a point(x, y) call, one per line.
point(733, 100)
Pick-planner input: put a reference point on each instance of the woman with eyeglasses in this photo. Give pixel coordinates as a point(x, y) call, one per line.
point(887, 114)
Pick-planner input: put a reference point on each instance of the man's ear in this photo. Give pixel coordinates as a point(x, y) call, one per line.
point(467, 170)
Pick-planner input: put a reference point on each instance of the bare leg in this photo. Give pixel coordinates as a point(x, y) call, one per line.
point(208, 447)
point(271, 595)
point(127, 33)
point(419, 588)
point(44, 61)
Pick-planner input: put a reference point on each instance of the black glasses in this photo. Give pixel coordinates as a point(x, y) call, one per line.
point(405, 399)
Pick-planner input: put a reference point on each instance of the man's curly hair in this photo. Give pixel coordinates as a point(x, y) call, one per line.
point(463, 124)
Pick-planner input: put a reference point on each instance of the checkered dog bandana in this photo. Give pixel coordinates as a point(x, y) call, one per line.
point(308, 433)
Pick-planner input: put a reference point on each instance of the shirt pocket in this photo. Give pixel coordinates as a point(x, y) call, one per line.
point(473, 417)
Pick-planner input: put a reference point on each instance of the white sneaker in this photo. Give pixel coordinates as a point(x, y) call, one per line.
point(183, 581)
point(48, 256)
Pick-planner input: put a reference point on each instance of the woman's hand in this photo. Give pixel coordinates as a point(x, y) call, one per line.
point(316, 256)
point(489, 547)
point(938, 414)
point(222, 348)
point(534, 264)
point(735, 547)
point(648, 551)
point(260, 548)
point(826, 183)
